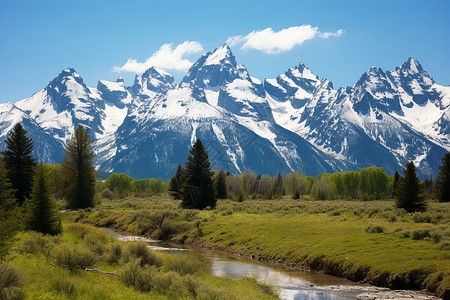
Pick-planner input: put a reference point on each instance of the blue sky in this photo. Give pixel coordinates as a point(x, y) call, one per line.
point(38, 39)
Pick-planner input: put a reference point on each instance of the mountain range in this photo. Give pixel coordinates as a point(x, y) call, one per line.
point(294, 122)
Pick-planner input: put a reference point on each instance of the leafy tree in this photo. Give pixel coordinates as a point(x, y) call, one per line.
point(352, 180)
point(221, 185)
point(120, 183)
point(198, 186)
point(410, 192)
point(324, 188)
point(8, 212)
point(19, 163)
point(338, 179)
point(41, 207)
point(176, 184)
point(277, 189)
point(442, 182)
point(77, 172)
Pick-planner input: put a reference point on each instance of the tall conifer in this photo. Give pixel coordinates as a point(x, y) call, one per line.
point(198, 186)
point(176, 184)
point(77, 171)
point(19, 162)
point(409, 192)
point(42, 211)
point(221, 185)
point(8, 212)
point(442, 182)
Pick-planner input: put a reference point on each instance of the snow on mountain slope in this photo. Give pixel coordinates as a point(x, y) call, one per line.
point(45, 147)
point(295, 121)
point(65, 103)
point(380, 120)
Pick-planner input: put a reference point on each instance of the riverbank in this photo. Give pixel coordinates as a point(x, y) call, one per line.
point(363, 241)
point(85, 263)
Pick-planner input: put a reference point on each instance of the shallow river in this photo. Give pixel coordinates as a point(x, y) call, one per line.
point(291, 285)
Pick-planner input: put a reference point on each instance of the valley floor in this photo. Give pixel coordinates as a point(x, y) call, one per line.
point(364, 241)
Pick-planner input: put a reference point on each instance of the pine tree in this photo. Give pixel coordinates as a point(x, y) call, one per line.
point(409, 192)
point(9, 220)
point(176, 184)
point(198, 186)
point(19, 163)
point(394, 184)
point(42, 211)
point(442, 182)
point(277, 189)
point(77, 171)
point(221, 185)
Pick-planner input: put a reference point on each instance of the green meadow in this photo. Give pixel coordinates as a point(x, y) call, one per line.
point(369, 241)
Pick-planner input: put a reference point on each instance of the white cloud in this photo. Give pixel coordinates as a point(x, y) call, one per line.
point(326, 35)
point(271, 42)
point(165, 58)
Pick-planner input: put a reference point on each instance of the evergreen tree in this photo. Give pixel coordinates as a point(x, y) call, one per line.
point(277, 189)
point(77, 171)
point(221, 185)
point(8, 212)
point(41, 207)
point(198, 186)
point(442, 182)
point(394, 184)
point(176, 184)
point(19, 163)
point(409, 192)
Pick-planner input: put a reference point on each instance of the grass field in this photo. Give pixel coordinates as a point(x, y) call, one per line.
point(363, 241)
point(45, 272)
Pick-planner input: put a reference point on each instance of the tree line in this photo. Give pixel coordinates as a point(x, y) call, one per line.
point(26, 189)
point(194, 181)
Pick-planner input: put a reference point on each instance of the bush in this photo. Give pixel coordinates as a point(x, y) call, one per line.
point(107, 194)
point(139, 251)
point(375, 229)
point(12, 293)
point(183, 265)
point(420, 234)
point(445, 245)
point(64, 286)
point(133, 275)
point(36, 243)
point(75, 256)
point(11, 280)
point(115, 253)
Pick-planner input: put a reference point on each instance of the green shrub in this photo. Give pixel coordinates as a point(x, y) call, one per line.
point(183, 265)
point(139, 251)
point(107, 194)
point(445, 245)
point(206, 292)
point(75, 256)
point(375, 229)
point(134, 275)
point(115, 253)
point(11, 280)
point(36, 243)
point(64, 286)
point(420, 234)
point(12, 293)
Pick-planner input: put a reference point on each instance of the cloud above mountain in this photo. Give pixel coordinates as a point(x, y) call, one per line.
point(167, 57)
point(274, 42)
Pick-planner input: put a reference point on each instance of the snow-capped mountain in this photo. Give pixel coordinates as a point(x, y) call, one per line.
point(296, 121)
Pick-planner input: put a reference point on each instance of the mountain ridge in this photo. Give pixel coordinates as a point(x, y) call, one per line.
point(295, 121)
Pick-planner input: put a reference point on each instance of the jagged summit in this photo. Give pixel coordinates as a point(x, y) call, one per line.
point(295, 121)
point(215, 68)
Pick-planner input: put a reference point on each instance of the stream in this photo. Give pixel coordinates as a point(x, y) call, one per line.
point(291, 285)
